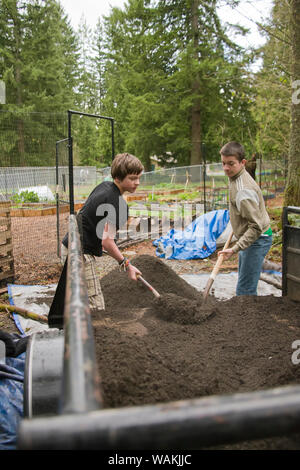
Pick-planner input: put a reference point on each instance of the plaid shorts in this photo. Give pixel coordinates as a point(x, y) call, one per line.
point(91, 265)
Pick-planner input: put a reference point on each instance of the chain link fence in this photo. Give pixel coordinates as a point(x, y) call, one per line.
point(37, 232)
point(270, 175)
point(15, 180)
point(34, 193)
point(210, 182)
point(28, 179)
point(36, 181)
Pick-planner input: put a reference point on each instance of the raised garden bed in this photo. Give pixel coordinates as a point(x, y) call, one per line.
point(38, 210)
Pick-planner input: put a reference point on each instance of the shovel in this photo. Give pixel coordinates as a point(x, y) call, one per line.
point(154, 291)
point(215, 271)
point(169, 305)
point(210, 281)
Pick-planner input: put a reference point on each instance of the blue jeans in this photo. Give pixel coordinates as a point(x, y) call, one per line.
point(250, 263)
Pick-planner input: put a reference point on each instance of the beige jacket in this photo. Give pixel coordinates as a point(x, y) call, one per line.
point(248, 216)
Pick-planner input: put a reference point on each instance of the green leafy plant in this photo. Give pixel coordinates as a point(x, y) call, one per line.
point(188, 196)
point(25, 196)
point(153, 197)
point(294, 220)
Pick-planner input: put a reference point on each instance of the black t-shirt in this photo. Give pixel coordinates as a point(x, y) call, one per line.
point(104, 204)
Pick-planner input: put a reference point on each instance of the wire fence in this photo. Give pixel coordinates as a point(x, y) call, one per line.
point(37, 232)
point(28, 139)
point(42, 180)
point(270, 175)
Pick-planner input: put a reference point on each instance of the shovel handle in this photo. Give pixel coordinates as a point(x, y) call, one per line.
point(217, 266)
point(220, 258)
point(157, 295)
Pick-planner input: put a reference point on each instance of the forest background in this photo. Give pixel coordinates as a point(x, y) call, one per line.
point(176, 85)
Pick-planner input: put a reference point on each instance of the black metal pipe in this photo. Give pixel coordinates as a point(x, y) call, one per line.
point(57, 201)
point(71, 180)
point(81, 384)
point(90, 115)
point(189, 424)
point(61, 141)
point(204, 184)
point(57, 192)
point(112, 140)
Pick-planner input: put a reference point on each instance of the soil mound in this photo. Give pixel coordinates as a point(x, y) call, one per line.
point(171, 307)
point(157, 273)
point(144, 359)
point(178, 302)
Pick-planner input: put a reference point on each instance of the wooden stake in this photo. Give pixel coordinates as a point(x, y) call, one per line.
point(25, 313)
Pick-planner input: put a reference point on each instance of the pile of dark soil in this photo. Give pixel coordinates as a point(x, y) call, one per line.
point(179, 302)
point(135, 294)
point(144, 358)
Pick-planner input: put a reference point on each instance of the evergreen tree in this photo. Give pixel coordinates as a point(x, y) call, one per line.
point(174, 79)
point(11, 37)
point(83, 128)
point(39, 69)
point(99, 65)
point(292, 191)
point(85, 91)
point(92, 136)
point(271, 109)
point(104, 103)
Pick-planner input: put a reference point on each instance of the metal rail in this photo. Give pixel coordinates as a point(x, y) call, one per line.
point(57, 193)
point(189, 424)
point(186, 424)
point(70, 139)
point(81, 391)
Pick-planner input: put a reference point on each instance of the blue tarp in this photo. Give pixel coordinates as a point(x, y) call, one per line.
point(198, 240)
point(11, 393)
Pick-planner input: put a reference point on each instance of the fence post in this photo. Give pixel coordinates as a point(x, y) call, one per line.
point(204, 173)
point(71, 185)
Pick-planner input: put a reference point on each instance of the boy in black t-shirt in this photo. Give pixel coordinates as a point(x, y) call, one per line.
point(104, 212)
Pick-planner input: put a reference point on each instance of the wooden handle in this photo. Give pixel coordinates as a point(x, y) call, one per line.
point(215, 271)
point(148, 285)
point(220, 258)
point(25, 313)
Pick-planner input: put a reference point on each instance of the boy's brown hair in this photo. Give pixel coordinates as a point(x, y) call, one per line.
point(125, 164)
point(234, 149)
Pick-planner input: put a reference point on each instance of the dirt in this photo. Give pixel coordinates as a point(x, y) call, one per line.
point(35, 249)
point(178, 309)
point(145, 357)
point(7, 322)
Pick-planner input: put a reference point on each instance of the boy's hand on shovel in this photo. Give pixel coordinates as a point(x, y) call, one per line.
point(226, 253)
point(223, 254)
point(133, 272)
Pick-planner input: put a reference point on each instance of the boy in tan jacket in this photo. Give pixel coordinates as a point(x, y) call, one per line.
point(249, 219)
